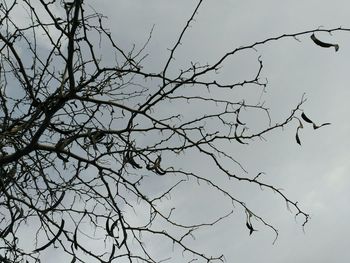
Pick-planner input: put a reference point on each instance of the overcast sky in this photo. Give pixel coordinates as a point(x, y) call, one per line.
point(315, 174)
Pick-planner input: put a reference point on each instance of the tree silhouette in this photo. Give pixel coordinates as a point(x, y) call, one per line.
point(83, 139)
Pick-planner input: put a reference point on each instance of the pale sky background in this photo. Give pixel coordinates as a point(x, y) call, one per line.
point(316, 174)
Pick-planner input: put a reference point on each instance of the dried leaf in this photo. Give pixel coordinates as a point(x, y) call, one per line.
point(297, 138)
point(159, 171)
point(305, 118)
point(324, 44)
point(237, 137)
point(250, 227)
point(239, 140)
point(323, 124)
point(249, 214)
point(128, 158)
point(301, 126)
point(75, 241)
point(134, 164)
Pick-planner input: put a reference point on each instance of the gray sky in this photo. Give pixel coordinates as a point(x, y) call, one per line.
point(316, 174)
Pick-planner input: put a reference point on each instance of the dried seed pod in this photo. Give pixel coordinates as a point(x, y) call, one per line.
point(324, 44)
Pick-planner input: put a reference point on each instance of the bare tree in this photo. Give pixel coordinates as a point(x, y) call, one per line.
point(83, 137)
